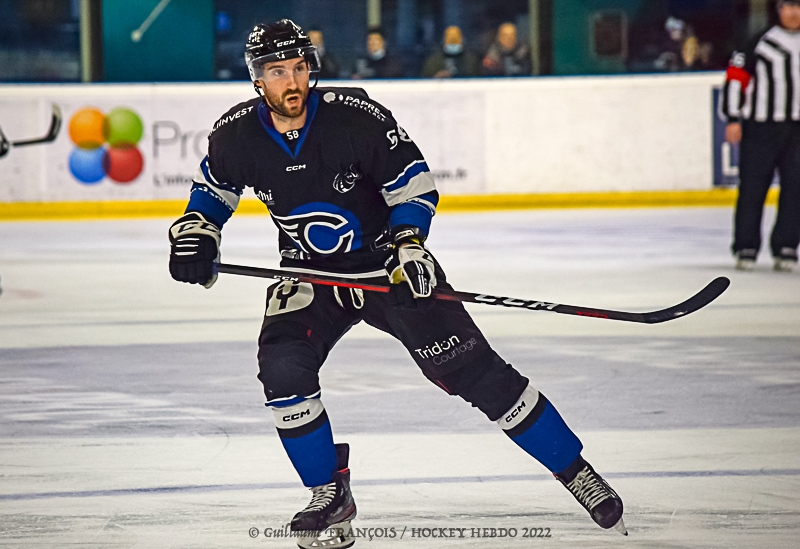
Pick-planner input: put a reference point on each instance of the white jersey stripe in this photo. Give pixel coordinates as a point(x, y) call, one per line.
point(401, 174)
point(789, 43)
point(762, 91)
point(776, 59)
point(419, 184)
point(231, 199)
point(747, 107)
point(734, 94)
point(794, 64)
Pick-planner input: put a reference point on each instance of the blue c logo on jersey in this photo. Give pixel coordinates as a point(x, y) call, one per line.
point(322, 228)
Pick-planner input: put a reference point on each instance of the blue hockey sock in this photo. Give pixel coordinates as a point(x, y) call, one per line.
point(536, 427)
point(306, 436)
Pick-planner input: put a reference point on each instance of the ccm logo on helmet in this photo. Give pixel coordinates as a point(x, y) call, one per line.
point(284, 43)
point(295, 168)
point(298, 415)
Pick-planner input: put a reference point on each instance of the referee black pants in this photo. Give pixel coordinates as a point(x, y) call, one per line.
point(766, 146)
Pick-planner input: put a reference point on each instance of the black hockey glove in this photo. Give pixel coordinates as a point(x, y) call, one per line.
point(411, 273)
point(195, 247)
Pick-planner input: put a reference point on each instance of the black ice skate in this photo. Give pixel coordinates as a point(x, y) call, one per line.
point(325, 522)
point(746, 259)
point(594, 493)
point(786, 260)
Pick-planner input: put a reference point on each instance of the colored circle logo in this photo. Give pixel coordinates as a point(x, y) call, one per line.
point(91, 160)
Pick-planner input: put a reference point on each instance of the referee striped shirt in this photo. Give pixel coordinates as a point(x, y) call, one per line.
point(763, 82)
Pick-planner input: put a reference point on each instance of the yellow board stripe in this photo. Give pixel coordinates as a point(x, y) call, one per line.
point(644, 199)
point(43, 211)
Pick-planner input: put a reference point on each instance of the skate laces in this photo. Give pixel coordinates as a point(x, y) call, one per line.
point(589, 488)
point(321, 496)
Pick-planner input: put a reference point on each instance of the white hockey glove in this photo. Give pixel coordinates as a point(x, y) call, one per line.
point(194, 249)
point(411, 271)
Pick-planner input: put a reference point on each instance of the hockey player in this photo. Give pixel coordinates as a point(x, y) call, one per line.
point(351, 195)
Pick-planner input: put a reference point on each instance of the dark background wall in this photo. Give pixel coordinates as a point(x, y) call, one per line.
point(178, 46)
point(199, 40)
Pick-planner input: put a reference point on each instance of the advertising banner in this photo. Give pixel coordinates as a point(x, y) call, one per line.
point(498, 136)
point(139, 142)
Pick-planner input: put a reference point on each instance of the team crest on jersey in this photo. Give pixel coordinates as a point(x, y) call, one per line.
point(345, 182)
point(321, 228)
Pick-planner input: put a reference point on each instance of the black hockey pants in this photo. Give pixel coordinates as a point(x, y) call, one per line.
point(303, 322)
point(766, 146)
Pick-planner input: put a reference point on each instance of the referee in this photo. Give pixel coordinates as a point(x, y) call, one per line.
point(761, 103)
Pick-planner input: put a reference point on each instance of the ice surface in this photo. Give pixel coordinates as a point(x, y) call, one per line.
point(130, 415)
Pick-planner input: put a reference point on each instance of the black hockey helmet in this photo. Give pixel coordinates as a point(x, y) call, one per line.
point(270, 42)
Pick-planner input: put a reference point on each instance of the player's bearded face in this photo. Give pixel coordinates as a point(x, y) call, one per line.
point(289, 103)
point(287, 96)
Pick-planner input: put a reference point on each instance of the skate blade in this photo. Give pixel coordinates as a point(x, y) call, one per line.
point(620, 527)
point(336, 536)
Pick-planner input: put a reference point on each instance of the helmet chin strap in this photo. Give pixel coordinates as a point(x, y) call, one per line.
point(261, 94)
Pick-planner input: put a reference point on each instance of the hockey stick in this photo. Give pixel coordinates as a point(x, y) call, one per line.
point(52, 133)
point(702, 298)
point(4, 144)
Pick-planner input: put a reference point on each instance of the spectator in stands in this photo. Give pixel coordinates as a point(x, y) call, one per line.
point(693, 56)
point(328, 66)
point(452, 60)
point(671, 56)
point(379, 63)
point(681, 50)
point(507, 56)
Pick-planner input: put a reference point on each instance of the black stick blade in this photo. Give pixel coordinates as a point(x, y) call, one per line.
point(52, 132)
point(697, 301)
point(702, 298)
point(4, 144)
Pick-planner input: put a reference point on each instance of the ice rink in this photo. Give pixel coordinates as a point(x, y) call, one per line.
point(130, 414)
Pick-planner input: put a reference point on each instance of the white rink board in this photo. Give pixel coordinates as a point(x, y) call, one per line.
point(500, 136)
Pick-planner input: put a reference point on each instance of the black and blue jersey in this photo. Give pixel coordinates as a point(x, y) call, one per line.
point(334, 188)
